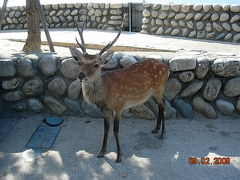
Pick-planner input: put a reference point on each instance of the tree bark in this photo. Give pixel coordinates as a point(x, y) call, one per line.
point(33, 42)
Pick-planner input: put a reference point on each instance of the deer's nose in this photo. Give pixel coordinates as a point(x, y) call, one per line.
point(81, 76)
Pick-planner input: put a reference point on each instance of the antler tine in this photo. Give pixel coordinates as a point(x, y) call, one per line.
point(80, 32)
point(110, 44)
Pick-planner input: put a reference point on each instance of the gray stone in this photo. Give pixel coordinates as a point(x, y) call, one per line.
point(146, 13)
point(215, 17)
point(225, 107)
point(182, 23)
point(192, 34)
point(168, 31)
point(235, 8)
point(186, 76)
point(156, 6)
point(154, 14)
point(74, 12)
point(192, 89)
point(179, 16)
point(55, 6)
point(9, 20)
point(166, 22)
point(145, 26)
point(235, 18)
point(66, 12)
point(226, 7)
point(228, 36)
point(166, 7)
point(224, 17)
point(175, 7)
point(184, 108)
point(226, 67)
point(18, 14)
point(35, 105)
point(217, 27)
point(59, 13)
point(127, 60)
point(226, 26)
point(52, 13)
point(171, 15)
point(116, 12)
point(143, 112)
point(197, 7)
point(236, 38)
point(113, 63)
point(159, 22)
point(172, 88)
point(25, 67)
point(48, 65)
point(220, 36)
point(120, 17)
point(217, 7)
point(162, 15)
point(189, 16)
point(54, 105)
point(20, 26)
point(116, 22)
point(208, 27)
point(203, 65)
point(182, 63)
point(74, 106)
point(74, 89)
point(33, 87)
point(153, 29)
point(70, 68)
point(11, 84)
point(11, 14)
point(91, 110)
point(232, 87)
point(154, 56)
point(212, 89)
point(170, 112)
point(47, 6)
point(207, 7)
point(185, 8)
point(206, 17)
point(7, 68)
point(238, 105)
point(57, 87)
point(236, 27)
point(198, 16)
point(200, 25)
point(19, 107)
point(56, 19)
point(211, 35)
point(201, 34)
point(175, 32)
point(115, 6)
point(190, 24)
point(204, 108)
point(185, 32)
point(69, 6)
point(77, 5)
point(13, 96)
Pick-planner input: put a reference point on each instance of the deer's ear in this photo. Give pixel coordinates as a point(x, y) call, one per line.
point(107, 57)
point(76, 54)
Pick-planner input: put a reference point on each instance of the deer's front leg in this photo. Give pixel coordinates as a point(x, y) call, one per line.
point(116, 133)
point(106, 130)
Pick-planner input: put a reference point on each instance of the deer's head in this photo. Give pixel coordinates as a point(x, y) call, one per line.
point(90, 65)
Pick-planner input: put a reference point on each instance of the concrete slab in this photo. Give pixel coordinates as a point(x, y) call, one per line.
point(145, 156)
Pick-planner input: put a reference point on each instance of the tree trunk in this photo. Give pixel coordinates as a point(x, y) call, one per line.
point(33, 42)
point(3, 12)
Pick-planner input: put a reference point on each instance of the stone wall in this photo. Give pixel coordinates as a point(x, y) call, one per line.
point(214, 22)
point(209, 85)
point(99, 16)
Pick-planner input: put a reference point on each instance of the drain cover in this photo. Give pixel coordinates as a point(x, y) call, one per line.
point(43, 137)
point(53, 121)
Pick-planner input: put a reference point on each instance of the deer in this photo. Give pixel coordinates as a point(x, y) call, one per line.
point(120, 89)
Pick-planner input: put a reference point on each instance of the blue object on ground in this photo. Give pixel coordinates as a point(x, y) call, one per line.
point(53, 121)
point(43, 137)
point(7, 124)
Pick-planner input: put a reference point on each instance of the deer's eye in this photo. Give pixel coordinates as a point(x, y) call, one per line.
point(95, 65)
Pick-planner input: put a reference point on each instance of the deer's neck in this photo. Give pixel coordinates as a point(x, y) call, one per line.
point(93, 91)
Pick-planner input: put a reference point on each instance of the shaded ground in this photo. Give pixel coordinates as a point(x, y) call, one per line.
point(145, 156)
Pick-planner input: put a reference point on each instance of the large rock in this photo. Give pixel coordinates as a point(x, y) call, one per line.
point(204, 108)
point(13, 96)
point(186, 76)
point(225, 107)
point(143, 112)
point(172, 88)
point(54, 105)
point(232, 87)
point(11, 84)
point(212, 89)
point(19, 107)
point(25, 67)
point(192, 89)
point(127, 60)
point(7, 68)
point(69, 68)
point(203, 65)
point(91, 110)
point(48, 65)
point(35, 105)
point(57, 87)
point(226, 67)
point(113, 63)
point(74, 106)
point(33, 87)
point(74, 89)
point(184, 108)
point(238, 105)
point(182, 63)
point(170, 112)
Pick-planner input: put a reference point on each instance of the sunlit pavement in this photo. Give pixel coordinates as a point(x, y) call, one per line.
point(145, 156)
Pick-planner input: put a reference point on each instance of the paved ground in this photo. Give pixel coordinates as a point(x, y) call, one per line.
point(73, 155)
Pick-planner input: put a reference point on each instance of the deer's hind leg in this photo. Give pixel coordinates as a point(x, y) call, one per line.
point(158, 97)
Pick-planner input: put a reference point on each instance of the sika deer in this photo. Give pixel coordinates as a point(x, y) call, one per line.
point(120, 89)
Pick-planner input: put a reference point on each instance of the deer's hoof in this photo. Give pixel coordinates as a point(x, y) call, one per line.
point(100, 155)
point(154, 131)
